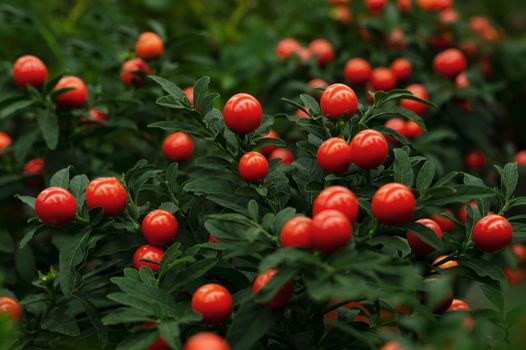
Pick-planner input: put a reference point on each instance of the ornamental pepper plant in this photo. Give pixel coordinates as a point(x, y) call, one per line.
point(348, 182)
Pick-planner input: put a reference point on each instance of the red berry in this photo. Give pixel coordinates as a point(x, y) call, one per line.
point(446, 224)
point(322, 49)
point(462, 213)
point(132, 71)
point(159, 344)
point(55, 206)
point(107, 193)
point(459, 305)
point(492, 233)
point(369, 149)
point(462, 81)
point(419, 246)
point(337, 198)
point(29, 70)
point(149, 45)
point(284, 154)
point(519, 158)
point(357, 71)
point(242, 113)
point(450, 63)
point(514, 276)
point(212, 239)
point(317, 83)
point(283, 296)
point(178, 147)
point(253, 167)
point(338, 100)
point(392, 345)
point(189, 92)
point(331, 230)
point(417, 107)
point(402, 69)
point(150, 253)
point(375, 5)
point(297, 232)
point(94, 115)
point(214, 302)
point(404, 5)
point(334, 155)
point(35, 169)
point(412, 130)
point(5, 141)
point(11, 308)
point(266, 150)
point(396, 124)
point(76, 98)
point(159, 227)
point(519, 251)
point(206, 341)
point(475, 160)
point(393, 204)
point(382, 79)
point(287, 47)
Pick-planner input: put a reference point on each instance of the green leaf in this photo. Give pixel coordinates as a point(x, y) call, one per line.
point(169, 87)
point(138, 341)
point(441, 196)
point(425, 234)
point(28, 236)
point(60, 179)
point(24, 144)
point(510, 177)
point(201, 90)
point(403, 173)
point(253, 209)
point(27, 200)
point(15, 107)
point(210, 186)
point(25, 264)
point(311, 104)
point(94, 318)
point(78, 186)
point(193, 272)
point(59, 321)
point(71, 255)
point(170, 333)
point(425, 176)
point(48, 123)
point(250, 324)
point(282, 217)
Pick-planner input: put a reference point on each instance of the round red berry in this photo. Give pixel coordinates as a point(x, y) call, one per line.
point(297, 232)
point(133, 70)
point(369, 149)
point(29, 70)
point(107, 193)
point(284, 154)
point(331, 230)
point(450, 63)
point(393, 204)
point(242, 113)
point(419, 91)
point(35, 169)
point(76, 98)
point(357, 71)
point(159, 227)
point(149, 45)
point(338, 100)
point(492, 233)
point(206, 341)
point(178, 147)
point(322, 50)
point(382, 79)
point(337, 198)
point(253, 167)
point(150, 253)
point(401, 68)
point(419, 246)
point(334, 155)
point(55, 206)
point(11, 308)
point(287, 47)
point(214, 302)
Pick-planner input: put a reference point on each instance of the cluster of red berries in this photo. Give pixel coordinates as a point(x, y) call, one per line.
point(320, 49)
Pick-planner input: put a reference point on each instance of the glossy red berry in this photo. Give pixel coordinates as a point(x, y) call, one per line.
point(178, 147)
point(419, 246)
point(334, 155)
point(331, 230)
point(297, 233)
point(382, 79)
point(446, 224)
point(450, 63)
point(284, 154)
point(396, 124)
point(417, 107)
point(159, 227)
point(242, 113)
point(519, 158)
point(107, 193)
point(322, 50)
point(357, 71)
point(5, 141)
point(214, 302)
point(149, 45)
point(29, 70)
point(369, 149)
point(206, 341)
point(133, 70)
point(338, 100)
point(337, 198)
point(475, 160)
point(11, 308)
point(35, 169)
point(393, 204)
point(287, 48)
point(76, 98)
point(402, 69)
point(266, 150)
point(253, 167)
point(492, 233)
point(150, 253)
point(55, 206)
point(283, 296)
